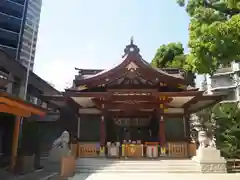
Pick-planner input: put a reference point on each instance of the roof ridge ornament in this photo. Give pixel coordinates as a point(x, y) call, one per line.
point(131, 41)
point(131, 48)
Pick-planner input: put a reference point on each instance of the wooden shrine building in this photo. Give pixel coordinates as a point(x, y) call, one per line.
point(134, 102)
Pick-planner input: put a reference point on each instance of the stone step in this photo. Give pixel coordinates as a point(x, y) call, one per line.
point(136, 171)
point(138, 163)
point(139, 168)
point(96, 160)
point(136, 166)
point(150, 162)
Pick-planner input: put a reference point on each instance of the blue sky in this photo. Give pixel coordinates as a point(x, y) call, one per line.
point(94, 33)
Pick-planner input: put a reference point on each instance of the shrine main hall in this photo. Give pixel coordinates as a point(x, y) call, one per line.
point(132, 107)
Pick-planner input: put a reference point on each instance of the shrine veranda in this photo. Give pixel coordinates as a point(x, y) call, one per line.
point(135, 110)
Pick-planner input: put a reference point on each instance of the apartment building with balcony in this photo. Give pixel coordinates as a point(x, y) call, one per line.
point(12, 84)
point(14, 75)
point(19, 21)
point(226, 80)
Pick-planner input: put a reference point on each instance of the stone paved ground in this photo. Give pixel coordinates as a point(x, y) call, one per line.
point(5, 175)
point(49, 171)
point(142, 176)
point(39, 175)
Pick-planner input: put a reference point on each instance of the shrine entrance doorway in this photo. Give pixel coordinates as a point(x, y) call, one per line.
point(136, 129)
point(134, 134)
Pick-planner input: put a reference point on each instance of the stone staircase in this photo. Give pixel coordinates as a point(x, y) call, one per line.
point(94, 165)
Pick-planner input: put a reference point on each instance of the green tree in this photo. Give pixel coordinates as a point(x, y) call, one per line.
point(227, 131)
point(223, 122)
point(172, 56)
point(214, 33)
point(166, 54)
point(205, 121)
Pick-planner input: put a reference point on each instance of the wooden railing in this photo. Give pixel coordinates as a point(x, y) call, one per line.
point(87, 150)
point(174, 149)
point(178, 149)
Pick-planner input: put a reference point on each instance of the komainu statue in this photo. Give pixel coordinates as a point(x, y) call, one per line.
point(203, 139)
point(212, 142)
point(60, 148)
point(62, 141)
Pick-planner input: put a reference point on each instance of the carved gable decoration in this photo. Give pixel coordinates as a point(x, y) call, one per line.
point(131, 66)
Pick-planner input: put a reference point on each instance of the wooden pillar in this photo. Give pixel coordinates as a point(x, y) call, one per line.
point(102, 128)
point(162, 131)
point(187, 126)
point(184, 126)
point(102, 131)
point(15, 141)
point(78, 128)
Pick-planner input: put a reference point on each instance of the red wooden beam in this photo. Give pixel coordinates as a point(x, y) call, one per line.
point(128, 114)
point(131, 106)
point(130, 92)
point(178, 94)
point(134, 98)
point(122, 100)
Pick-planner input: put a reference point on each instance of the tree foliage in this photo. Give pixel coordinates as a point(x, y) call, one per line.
point(205, 121)
point(223, 122)
point(214, 33)
point(172, 56)
point(227, 118)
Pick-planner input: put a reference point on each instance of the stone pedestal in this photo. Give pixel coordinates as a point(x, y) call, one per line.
point(25, 164)
point(210, 160)
point(60, 148)
point(56, 154)
point(68, 166)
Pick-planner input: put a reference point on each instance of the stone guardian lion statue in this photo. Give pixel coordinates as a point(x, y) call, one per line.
point(62, 141)
point(205, 141)
point(60, 148)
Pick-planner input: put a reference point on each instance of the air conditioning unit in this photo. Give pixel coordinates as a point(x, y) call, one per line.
point(34, 100)
point(44, 105)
